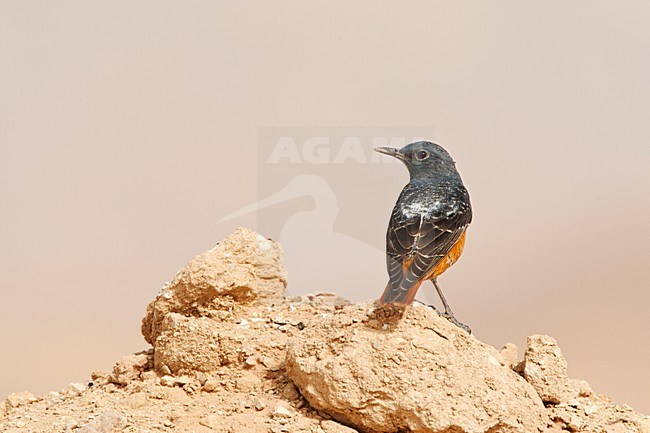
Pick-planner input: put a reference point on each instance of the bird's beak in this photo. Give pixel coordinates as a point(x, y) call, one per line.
point(391, 151)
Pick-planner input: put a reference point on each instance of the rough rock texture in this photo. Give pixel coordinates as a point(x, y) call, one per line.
point(546, 369)
point(417, 372)
point(245, 268)
point(231, 354)
point(130, 367)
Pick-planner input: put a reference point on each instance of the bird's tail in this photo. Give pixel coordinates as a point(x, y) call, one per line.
point(399, 295)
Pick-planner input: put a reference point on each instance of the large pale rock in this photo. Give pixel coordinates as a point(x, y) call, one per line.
point(198, 344)
point(245, 268)
point(415, 373)
point(546, 369)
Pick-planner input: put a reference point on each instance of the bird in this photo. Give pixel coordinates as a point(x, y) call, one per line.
point(428, 225)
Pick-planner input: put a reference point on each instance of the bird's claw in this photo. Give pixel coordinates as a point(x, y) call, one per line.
point(456, 322)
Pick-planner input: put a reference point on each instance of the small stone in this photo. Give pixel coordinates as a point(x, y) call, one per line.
point(128, 368)
point(271, 364)
point(20, 399)
point(20, 423)
point(211, 385)
point(211, 421)
point(76, 388)
point(168, 381)
point(168, 423)
point(100, 377)
point(510, 353)
point(137, 400)
point(330, 426)
point(148, 375)
point(575, 423)
point(251, 361)
point(70, 423)
point(259, 405)
point(281, 412)
point(290, 392)
point(164, 369)
point(580, 387)
point(591, 409)
point(183, 380)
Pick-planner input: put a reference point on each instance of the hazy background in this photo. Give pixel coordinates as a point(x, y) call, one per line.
point(129, 129)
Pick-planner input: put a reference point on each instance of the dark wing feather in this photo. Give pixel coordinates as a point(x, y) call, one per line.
point(426, 223)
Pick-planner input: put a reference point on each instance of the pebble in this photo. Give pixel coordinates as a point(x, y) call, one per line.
point(211, 385)
point(211, 421)
point(281, 412)
point(183, 380)
point(76, 388)
point(591, 409)
point(168, 381)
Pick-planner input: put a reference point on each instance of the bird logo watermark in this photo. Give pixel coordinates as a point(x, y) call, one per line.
point(320, 194)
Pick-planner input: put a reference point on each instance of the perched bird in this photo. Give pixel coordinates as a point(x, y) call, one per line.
point(427, 228)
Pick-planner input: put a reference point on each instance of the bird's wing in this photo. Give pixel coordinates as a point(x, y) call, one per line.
point(418, 240)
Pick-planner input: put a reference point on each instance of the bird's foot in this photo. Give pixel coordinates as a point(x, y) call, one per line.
point(456, 322)
point(432, 307)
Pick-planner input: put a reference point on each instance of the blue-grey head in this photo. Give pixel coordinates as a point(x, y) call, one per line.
point(423, 159)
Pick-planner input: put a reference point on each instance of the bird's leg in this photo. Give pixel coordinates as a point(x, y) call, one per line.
point(448, 314)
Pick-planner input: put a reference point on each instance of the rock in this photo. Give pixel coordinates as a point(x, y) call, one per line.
point(20, 399)
point(211, 421)
point(212, 385)
point(76, 388)
point(245, 268)
point(100, 377)
point(290, 392)
point(136, 400)
point(106, 422)
point(546, 369)
point(168, 380)
point(247, 382)
point(509, 353)
point(281, 412)
point(176, 395)
point(259, 405)
point(69, 423)
point(330, 426)
point(187, 345)
point(384, 373)
point(129, 368)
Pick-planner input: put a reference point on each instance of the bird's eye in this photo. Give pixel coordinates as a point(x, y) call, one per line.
point(422, 155)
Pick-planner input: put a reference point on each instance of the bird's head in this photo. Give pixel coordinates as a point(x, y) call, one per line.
point(423, 159)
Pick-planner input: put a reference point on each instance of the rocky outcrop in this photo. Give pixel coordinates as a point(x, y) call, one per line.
point(242, 270)
point(413, 371)
point(231, 354)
